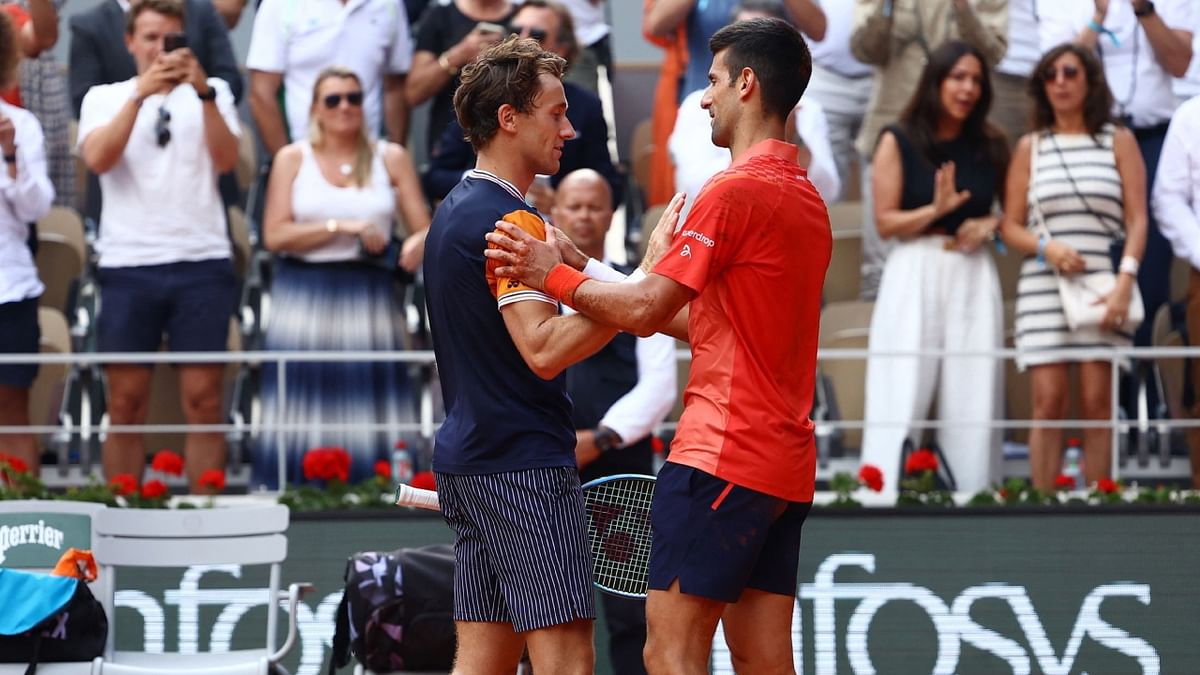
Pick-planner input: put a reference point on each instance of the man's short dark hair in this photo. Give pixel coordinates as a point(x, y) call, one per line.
point(165, 7)
point(505, 73)
point(774, 50)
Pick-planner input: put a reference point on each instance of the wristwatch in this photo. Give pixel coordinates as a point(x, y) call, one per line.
point(1143, 9)
point(444, 62)
point(210, 95)
point(606, 439)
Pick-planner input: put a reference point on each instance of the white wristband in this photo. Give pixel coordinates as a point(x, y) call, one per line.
point(1129, 265)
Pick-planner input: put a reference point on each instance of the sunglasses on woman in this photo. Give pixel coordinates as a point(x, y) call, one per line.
point(354, 98)
point(537, 34)
point(1051, 73)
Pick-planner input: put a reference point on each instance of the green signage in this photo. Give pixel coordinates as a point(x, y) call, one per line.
point(37, 540)
point(955, 592)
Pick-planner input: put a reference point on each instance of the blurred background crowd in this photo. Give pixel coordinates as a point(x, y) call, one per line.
point(212, 175)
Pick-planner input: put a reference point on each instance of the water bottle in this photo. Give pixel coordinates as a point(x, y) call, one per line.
point(402, 463)
point(1073, 463)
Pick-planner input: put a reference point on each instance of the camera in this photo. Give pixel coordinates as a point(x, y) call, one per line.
point(173, 41)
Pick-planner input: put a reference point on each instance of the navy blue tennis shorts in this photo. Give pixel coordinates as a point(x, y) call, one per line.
point(19, 334)
point(718, 538)
point(521, 551)
point(189, 301)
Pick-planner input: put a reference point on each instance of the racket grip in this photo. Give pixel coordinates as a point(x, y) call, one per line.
point(407, 495)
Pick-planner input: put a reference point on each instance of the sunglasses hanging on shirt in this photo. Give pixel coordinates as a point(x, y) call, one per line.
point(162, 129)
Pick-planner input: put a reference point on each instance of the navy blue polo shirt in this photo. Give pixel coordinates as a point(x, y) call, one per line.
point(500, 416)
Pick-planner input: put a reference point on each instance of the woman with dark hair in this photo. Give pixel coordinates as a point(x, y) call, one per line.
point(937, 175)
point(1077, 184)
point(330, 207)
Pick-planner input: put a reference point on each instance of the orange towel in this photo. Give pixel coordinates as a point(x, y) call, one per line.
point(76, 563)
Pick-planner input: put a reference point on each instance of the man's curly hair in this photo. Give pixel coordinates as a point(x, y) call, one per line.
point(505, 73)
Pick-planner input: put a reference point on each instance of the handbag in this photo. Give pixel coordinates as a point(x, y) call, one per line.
point(1082, 294)
point(49, 618)
point(872, 41)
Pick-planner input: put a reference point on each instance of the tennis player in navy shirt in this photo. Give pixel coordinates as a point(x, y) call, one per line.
point(505, 457)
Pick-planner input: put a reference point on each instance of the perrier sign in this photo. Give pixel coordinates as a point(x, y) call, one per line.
point(37, 540)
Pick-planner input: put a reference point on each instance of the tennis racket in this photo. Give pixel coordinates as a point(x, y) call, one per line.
point(618, 520)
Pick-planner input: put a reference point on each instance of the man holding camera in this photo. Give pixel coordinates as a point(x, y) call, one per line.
point(158, 142)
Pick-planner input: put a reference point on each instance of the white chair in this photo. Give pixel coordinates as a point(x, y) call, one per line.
point(76, 522)
point(146, 538)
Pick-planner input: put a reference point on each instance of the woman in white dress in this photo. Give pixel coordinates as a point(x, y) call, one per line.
point(330, 206)
point(1088, 184)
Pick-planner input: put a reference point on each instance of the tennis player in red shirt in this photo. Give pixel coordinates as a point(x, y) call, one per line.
point(741, 281)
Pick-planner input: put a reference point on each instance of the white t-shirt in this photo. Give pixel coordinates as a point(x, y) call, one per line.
point(833, 53)
point(588, 17)
point(23, 199)
point(1140, 86)
point(300, 38)
point(161, 204)
point(1023, 46)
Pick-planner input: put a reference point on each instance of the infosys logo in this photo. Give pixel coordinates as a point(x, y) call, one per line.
point(699, 237)
point(33, 533)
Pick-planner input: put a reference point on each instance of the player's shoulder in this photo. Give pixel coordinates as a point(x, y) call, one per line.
point(527, 220)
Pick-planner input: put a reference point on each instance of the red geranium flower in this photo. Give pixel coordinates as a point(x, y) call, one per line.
point(168, 462)
point(1108, 486)
point(15, 464)
point(123, 484)
point(154, 489)
point(921, 460)
point(1064, 482)
point(424, 480)
point(1003, 493)
point(657, 445)
point(383, 469)
point(213, 480)
point(327, 464)
point(871, 476)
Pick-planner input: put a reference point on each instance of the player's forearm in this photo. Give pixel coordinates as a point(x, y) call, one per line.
point(630, 307)
point(562, 341)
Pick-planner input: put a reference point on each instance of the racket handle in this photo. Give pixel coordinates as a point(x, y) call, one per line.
point(407, 495)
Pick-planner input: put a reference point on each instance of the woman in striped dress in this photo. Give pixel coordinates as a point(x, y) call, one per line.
point(1084, 178)
point(331, 201)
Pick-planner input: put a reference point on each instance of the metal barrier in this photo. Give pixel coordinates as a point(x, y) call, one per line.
point(84, 426)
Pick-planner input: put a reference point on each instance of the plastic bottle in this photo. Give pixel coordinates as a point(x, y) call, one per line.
point(1073, 463)
point(402, 463)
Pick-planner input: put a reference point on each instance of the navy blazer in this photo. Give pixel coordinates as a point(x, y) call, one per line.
point(98, 54)
point(588, 150)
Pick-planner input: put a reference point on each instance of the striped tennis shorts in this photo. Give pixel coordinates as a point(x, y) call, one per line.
point(521, 551)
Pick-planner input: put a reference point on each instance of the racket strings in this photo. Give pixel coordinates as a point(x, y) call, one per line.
point(619, 529)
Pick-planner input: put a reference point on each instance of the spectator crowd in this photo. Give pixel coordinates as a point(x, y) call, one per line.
point(1058, 132)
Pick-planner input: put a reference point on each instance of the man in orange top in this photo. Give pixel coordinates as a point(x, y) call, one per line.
point(742, 281)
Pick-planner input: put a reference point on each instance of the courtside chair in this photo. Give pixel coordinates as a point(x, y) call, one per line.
point(76, 522)
point(146, 538)
point(49, 396)
point(61, 255)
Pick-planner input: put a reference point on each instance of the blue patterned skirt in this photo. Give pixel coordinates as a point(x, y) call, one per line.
point(341, 306)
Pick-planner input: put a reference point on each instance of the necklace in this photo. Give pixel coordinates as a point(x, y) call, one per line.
point(346, 168)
